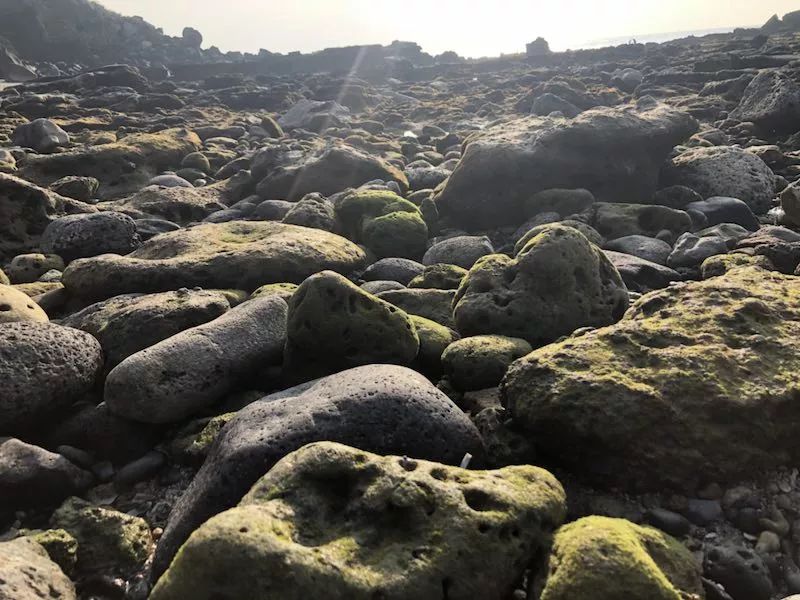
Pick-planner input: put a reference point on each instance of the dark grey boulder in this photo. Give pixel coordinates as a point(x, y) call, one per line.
point(383, 409)
point(402, 270)
point(720, 209)
point(462, 250)
point(197, 367)
point(85, 235)
point(44, 368)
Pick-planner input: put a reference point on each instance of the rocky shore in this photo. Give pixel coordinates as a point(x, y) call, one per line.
point(274, 327)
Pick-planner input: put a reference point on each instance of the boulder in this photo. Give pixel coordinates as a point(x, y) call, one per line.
point(29, 268)
point(45, 368)
point(31, 476)
point(599, 558)
point(77, 188)
point(17, 306)
point(181, 205)
point(332, 171)
point(384, 409)
point(85, 235)
point(613, 221)
point(335, 325)
point(719, 210)
point(696, 383)
point(772, 101)
point(193, 369)
point(109, 542)
point(691, 250)
point(126, 324)
point(558, 283)
point(25, 212)
point(439, 276)
point(27, 573)
point(642, 246)
point(42, 135)
point(436, 305)
point(462, 250)
point(723, 171)
point(480, 362)
point(391, 527)
point(565, 202)
point(235, 255)
point(401, 270)
point(616, 153)
point(122, 167)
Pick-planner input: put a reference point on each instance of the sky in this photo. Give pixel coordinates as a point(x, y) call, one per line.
point(472, 28)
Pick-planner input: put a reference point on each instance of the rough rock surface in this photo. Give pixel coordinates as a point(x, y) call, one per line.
point(670, 393)
point(380, 408)
point(237, 255)
point(27, 573)
point(25, 212)
point(556, 284)
point(615, 153)
point(391, 527)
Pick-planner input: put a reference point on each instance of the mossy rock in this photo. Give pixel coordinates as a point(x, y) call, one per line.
point(439, 277)
point(558, 283)
point(193, 443)
point(436, 305)
point(587, 230)
point(480, 362)
point(28, 268)
point(387, 224)
point(698, 382)
point(361, 526)
point(599, 558)
point(61, 547)
point(398, 234)
point(282, 290)
point(109, 542)
point(433, 339)
point(714, 266)
point(241, 255)
point(613, 220)
point(4, 280)
point(335, 325)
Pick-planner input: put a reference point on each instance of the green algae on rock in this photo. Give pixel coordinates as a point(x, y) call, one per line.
point(439, 277)
point(599, 558)
point(238, 255)
point(557, 283)
point(335, 325)
point(480, 362)
point(698, 382)
point(361, 526)
point(109, 541)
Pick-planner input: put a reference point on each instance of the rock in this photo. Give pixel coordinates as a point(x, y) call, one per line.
point(124, 325)
point(570, 396)
point(435, 305)
point(723, 171)
point(548, 103)
point(16, 306)
point(192, 37)
point(31, 476)
point(334, 325)
point(462, 250)
point(480, 362)
point(28, 268)
point(691, 250)
point(538, 48)
point(772, 101)
point(382, 408)
point(4, 280)
point(599, 558)
point(565, 202)
point(177, 204)
point(386, 223)
point(401, 270)
point(439, 276)
point(790, 203)
point(236, 255)
point(740, 570)
point(433, 339)
point(334, 170)
point(613, 221)
point(109, 542)
point(417, 528)
point(556, 284)
point(720, 264)
point(45, 368)
point(27, 573)
point(305, 113)
point(60, 546)
point(12, 68)
point(725, 210)
point(313, 211)
point(641, 275)
point(41, 134)
point(169, 181)
point(25, 212)
point(668, 521)
point(641, 246)
point(122, 167)
point(82, 236)
point(77, 188)
point(191, 370)
point(505, 165)
point(587, 230)
point(703, 512)
point(676, 196)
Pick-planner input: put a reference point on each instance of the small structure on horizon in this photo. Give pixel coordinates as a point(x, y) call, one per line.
point(538, 47)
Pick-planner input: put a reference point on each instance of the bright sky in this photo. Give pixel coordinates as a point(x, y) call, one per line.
point(470, 27)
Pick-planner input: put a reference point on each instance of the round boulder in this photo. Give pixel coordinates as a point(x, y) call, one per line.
point(84, 235)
